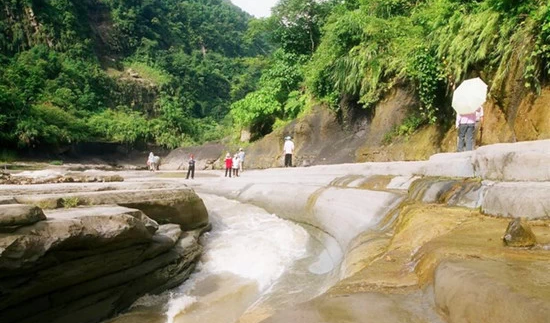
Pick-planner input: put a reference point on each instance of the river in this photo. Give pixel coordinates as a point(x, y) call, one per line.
point(253, 263)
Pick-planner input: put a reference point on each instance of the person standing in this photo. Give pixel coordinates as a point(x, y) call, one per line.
point(191, 168)
point(466, 125)
point(236, 165)
point(241, 159)
point(228, 164)
point(288, 150)
point(151, 162)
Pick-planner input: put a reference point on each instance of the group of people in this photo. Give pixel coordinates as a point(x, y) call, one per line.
point(234, 164)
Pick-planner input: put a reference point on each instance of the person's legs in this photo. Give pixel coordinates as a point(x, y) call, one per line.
point(461, 137)
point(188, 172)
point(193, 172)
point(241, 163)
point(287, 160)
point(469, 137)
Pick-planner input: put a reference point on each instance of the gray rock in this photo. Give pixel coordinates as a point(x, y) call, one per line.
point(524, 161)
point(519, 234)
point(26, 286)
point(530, 200)
point(95, 230)
point(180, 206)
point(7, 200)
point(19, 215)
point(97, 299)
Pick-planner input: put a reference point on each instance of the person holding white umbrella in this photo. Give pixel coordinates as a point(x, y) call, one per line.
point(468, 101)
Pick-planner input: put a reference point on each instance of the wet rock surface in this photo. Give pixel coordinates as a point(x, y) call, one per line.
point(421, 241)
point(433, 255)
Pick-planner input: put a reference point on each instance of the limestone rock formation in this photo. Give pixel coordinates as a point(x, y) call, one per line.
point(181, 206)
point(87, 263)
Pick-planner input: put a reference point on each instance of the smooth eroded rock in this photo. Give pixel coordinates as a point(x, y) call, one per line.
point(179, 206)
point(90, 228)
point(20, 214)
point(493, 291)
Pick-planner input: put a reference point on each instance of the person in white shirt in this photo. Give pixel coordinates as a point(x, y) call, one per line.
point(288, 150)
point(241, 159)
point(235, 166)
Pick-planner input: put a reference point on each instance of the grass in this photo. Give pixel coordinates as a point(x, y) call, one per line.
point(69, 202)
point(154, 75)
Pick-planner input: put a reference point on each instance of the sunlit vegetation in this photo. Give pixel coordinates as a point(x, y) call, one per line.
point(182, 72)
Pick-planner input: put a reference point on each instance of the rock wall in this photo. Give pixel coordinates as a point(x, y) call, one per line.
point(83, 252)
point(325, 137)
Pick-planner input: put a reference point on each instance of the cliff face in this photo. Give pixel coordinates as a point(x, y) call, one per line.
point(322, 138)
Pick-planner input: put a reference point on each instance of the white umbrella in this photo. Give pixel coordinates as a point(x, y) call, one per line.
point(469, 96)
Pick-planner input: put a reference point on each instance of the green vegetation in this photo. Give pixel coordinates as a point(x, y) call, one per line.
point(163, 71)
point(69, 202)
point(366, 47)
point(182, 72)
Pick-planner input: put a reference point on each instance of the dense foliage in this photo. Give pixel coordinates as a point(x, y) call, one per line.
point(179, 72)
point(163, 71)
point(362, 48)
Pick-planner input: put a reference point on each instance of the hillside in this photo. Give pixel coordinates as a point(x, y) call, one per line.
point(351, 80)
point(157, 71)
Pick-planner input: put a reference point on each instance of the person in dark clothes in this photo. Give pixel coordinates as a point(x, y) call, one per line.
point(191, 168)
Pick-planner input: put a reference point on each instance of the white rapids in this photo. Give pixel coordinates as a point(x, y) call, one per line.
point(252, 260)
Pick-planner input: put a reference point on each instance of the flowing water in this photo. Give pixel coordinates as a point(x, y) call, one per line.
point(252, 264)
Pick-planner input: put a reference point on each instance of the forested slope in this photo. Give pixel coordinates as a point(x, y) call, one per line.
point(352, 55)
point(183, 72)
point(162, 71)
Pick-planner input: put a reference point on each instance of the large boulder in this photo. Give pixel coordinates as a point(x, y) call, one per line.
point(96, 287)
point(90, 228)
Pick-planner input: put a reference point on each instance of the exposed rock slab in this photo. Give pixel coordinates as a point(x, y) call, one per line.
point(96, 299)
point(92, 228)
point(180, 206)
point(19, 215)
point(493, 291)
point(530, 200)
point(525, 161)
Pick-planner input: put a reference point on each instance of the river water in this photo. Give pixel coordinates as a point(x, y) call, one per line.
point(253, 263)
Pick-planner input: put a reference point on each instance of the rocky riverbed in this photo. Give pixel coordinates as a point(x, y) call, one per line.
point(462, 237)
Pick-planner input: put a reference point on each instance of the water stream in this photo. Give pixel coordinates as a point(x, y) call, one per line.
point(253, 263)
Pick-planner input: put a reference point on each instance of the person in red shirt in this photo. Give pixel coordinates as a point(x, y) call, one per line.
point(228, 164)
